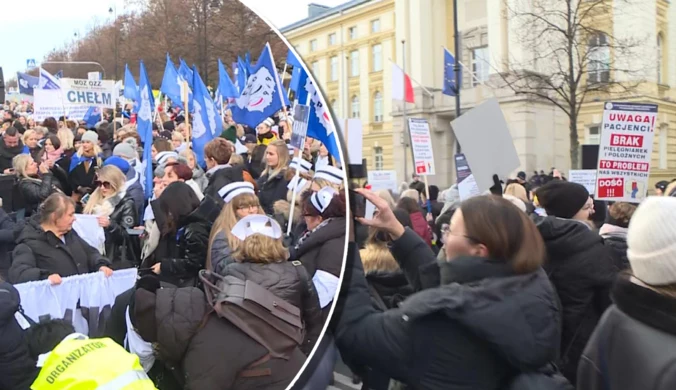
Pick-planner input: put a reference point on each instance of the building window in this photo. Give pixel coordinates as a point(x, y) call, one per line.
point(355, 106)
point(593, 135)
point(334, 68)
point(315, 69)
point(313, 45)
point(375, 26)
point(660, 59)
point(377, 54)
point(664, 131)
point(377, 107)
point(480, 65)
point(332, 39)
point(335, 107)
point(598, 68)
point(354, 63)
point(352, 32)
point(378, 158)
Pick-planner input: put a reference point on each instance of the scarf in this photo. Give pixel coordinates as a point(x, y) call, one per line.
point(52, 156)
point(308, 233)
point(213, 170)
point(608, 230)
point(85, 158)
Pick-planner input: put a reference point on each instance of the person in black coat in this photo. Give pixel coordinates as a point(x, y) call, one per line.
point(451, 334)
point(10, 147)
point(36, 182)
point(614, 231)
point(580, 265)
point(183, 247)
point(17, 369)
point(634, 344)
point(220, 173)
point(47, 248)
point(272, 184)
point(9, 231)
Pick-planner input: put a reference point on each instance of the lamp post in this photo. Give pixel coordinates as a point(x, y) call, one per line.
point(206, 4)
point(113, 11)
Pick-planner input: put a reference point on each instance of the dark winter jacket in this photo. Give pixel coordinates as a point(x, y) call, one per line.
point(118, 243)
point(221, 178)
point(17, 368)
point(39, 254)
point(209, 352)
point(582, 270)
point(451, 335)
point(7, 154)
point(291, 283)
point(634, 345)
point(391, 288)
point(272, 190)
point(35, 191)
point(184, 253)
point(9, 231)
point(221, 254)
point(79, 176)
point(616, 238)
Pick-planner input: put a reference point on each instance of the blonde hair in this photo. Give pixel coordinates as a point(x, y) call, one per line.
point(386, 196)
point(376, 256)
point(325, 183)
point(186, 153)
point(227, 219)
point(27, 134)
point(282, 159)
point(518, 191)
point(236, 159)
point(261, 249)
point(112, 175)
point(410, 193)
point(96, 150)
point(239, 131)
point(66, 138)
point(19, 163)
point(671, 187)
point(177, 136)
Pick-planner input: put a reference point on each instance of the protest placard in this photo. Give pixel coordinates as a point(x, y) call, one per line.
point(467, 186)
point(586, 177)
point(301, 115)
point(49, 103)
point(421, 143)
point(88, 92)
point(486, 142)
point(624, 154)
point(383, 180)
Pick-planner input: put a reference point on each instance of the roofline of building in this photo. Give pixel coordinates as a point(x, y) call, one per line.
point(329, 12)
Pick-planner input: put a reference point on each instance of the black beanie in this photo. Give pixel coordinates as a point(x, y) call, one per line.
point(562, 199)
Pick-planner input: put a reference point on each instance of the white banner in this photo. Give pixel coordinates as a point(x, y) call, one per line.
point(421, 143)
point(383, 180)
point(50, 103)
point(94, 292)
point(99, 93)
point(625, 151)
point(586, 177)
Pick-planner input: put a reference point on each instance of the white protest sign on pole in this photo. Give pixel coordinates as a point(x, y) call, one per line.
point(586, 177)
point(486, 143)
point(467, 186)
point(383, 180)
point(93, 75)
point(625, 151)
point(78, 92)
point(353, 133)
point(421, 144)
point(49, 103)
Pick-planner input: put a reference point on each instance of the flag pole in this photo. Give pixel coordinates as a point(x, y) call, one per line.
point(406, 135)
point(456, 68)
point(187, 113)
point(279, 86)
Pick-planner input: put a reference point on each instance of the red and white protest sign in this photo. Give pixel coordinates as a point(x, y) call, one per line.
point(624, 154)
point(421, 143)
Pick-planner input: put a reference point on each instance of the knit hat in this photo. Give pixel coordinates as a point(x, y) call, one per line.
point(125, 150)
point(119, 162)
point(90, 136)
point(562, 199)
point(651, 241)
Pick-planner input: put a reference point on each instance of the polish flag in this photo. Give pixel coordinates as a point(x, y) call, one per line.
point(402, 89)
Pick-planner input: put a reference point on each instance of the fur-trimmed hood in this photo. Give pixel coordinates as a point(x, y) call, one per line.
point(283, 208)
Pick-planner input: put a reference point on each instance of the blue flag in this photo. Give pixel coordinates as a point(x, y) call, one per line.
point(59, 74)
point(450, 88)
point(225, 86)
point(47, 81)
point(320, 126)
point(185, 72)
point(292, 60)
point(144, 121)
point(247, 62)
point(171, 83)
point(92, 116)
point(130, 87)
point(27, 83)
point(207, 124)
point(261, 97)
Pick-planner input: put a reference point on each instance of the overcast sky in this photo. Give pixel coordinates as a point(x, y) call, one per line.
point(31, 30)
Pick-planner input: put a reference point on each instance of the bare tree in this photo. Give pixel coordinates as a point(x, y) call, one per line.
point(570, 56)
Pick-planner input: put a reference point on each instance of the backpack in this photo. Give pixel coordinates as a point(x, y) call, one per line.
point(271, 321)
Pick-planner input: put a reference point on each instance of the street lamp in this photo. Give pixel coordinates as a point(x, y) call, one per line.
point(213, 4)
point(113, 11)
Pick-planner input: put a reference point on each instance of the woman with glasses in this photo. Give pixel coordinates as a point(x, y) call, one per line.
point(115, 211)
point(184, 241)
point(478, 319)
point(240, 201)
point(580, 265)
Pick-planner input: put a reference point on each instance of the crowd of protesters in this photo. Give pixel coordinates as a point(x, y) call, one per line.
point(205, 229)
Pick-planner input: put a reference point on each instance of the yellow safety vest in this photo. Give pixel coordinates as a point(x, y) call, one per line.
point(91, 364)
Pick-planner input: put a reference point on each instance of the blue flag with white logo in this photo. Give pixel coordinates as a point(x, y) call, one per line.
point(171, 83)
point(226, 88)
point(292, 60)
point(207, 124)
point(185, 72)
point(92, 116)
point(27, 83)
point(48, 81)
point(320, 126)
point(130, 87)
point(450, 88)
point(261, 97)
point(144, 125)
